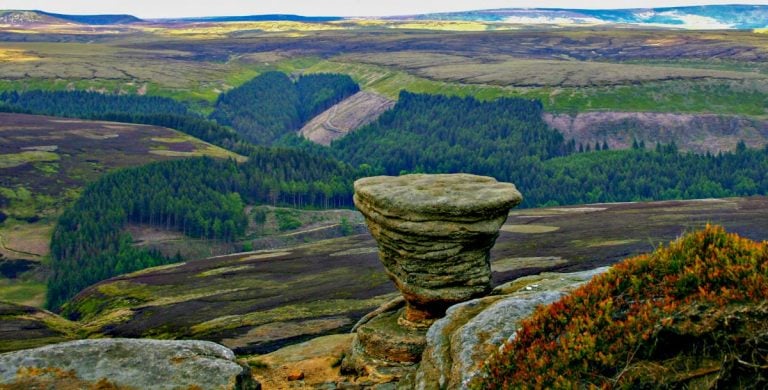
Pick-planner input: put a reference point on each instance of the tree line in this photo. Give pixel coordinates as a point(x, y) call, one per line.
point(261, 111)
point(660, 173)
point(507, 139)
point(200, 197)
point(271, 105)
point(145, 110)
point(435, 133)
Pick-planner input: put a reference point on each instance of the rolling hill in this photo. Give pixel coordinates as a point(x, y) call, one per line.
point(256, 302)
point(44, 164)
point(35, 17)
point(254, 18)
point(710, 17)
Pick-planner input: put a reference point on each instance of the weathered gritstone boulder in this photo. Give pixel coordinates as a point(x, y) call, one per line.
point(458, 344)
point(434, 234)
point(125, 363)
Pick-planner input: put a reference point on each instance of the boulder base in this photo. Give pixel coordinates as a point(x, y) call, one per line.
point(384, 350)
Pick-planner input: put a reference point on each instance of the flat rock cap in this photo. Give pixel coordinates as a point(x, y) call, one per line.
point(457, 194)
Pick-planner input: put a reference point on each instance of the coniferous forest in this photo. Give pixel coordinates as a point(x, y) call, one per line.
point(507, 139)
point(200, 197)
point(434, 133)
point(87, 105)
point(504, 138)
point(272, 106)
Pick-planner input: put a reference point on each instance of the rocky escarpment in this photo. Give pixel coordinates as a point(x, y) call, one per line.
point(697, 133)
point(434, 234)
point(125, 363)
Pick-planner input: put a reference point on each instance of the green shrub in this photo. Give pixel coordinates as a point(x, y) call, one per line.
point(287, 220)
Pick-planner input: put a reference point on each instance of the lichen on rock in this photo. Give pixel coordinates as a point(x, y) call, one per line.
point(126, 363)
point(458, 344)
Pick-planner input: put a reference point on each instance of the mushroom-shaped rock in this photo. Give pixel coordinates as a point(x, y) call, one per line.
point(434, 234)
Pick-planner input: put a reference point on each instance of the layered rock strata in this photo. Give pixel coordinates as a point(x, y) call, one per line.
point(434, 235)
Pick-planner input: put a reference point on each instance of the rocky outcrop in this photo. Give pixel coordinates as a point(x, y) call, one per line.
point(698, 133)
point(434, 234)
point(126, 363)
point(458, 344)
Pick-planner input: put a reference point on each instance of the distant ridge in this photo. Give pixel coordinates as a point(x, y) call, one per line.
point(742, 17)
point(708, 17)
point(101, 20)
point(254, 18)
point(35, 17)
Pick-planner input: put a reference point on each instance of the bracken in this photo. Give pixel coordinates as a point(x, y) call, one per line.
point(690, 314)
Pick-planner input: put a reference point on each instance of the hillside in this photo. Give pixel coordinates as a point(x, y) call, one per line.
point(44, 164)
point(271, 105)
point(691, 314)
point(22, 18)
point(267, 299)
point(29, 327)
point(697, 133)
point(27, 18)
point(346, 116)
point(45, 158)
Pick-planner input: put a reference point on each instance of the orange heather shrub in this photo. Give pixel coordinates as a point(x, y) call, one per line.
point(675, 302)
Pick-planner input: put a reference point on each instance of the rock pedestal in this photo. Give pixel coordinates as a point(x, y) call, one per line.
point(434, 234)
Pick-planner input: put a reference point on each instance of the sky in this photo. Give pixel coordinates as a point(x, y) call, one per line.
point(190, 8)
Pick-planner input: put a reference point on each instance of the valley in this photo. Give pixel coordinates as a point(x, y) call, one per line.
point(192, 178)
point(46, 162)
point(257, 302)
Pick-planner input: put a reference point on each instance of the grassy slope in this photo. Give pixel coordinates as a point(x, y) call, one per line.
point(29, 327)
point(268, 228)
point(719, 96)
point(570, 70)
point(264, 300)
point(45, 162)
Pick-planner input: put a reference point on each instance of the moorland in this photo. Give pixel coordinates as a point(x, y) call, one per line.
point(155, 178)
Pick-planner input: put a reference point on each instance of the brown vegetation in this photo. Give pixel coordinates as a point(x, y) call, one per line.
point(696, 133)
point(349, 115)
point(261, 300)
